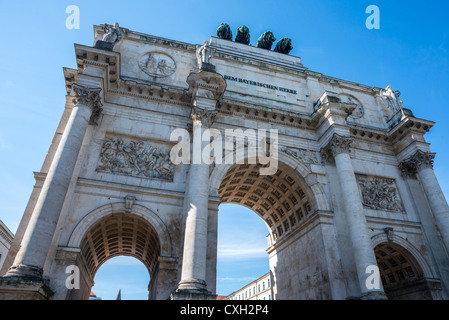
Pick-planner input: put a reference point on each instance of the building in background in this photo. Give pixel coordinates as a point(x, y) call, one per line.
point(6, 237)
point(93, 296)
point(259, 289)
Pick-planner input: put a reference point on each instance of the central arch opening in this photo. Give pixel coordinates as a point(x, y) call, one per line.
point(121, 234)
point(279, 202)
point(279, 199)
point(242, 244)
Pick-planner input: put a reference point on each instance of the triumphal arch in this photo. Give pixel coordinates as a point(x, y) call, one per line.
point(156, 133)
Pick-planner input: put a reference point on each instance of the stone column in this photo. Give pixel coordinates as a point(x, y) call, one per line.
point(193, 277)
point(422, 163)
point(38, 236)
point(355, 217)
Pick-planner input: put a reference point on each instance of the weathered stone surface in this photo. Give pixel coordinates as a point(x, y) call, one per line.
point(326, 215)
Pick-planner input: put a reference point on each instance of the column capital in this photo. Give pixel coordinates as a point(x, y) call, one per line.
point(204, 117)
point(418, 161)
point(89, 97)
point(407, 169)
point(340, 144)
point(422, 160)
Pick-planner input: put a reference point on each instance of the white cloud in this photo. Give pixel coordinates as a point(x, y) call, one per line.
point(242, 279)
point(238, 252)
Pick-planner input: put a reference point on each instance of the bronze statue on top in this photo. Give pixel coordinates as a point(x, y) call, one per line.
point(266, 40)
point(242, 35)
point(224, 32)
point(284, 46)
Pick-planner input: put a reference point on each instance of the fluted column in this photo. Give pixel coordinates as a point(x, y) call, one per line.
point(193, 277)
point(355, 217)
point(422, 163)
point(38, 236)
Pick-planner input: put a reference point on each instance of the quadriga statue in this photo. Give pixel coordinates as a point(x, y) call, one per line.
point(266, 40)
point(224, 32)
point(242, 35)
point(284, 46)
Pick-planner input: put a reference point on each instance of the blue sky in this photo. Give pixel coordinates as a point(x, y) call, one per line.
point(410, 52)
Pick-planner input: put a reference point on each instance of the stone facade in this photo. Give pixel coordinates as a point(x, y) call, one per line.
point(354, 187)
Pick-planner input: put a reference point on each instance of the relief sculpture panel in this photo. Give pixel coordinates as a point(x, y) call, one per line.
point(379, 193)
point(135, 158)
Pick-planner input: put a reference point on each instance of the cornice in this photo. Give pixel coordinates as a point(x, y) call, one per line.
point(271, 115)
point(404, 127)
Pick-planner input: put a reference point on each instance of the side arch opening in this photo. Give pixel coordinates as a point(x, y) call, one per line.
point(402, 276)
point(291, 204)
point(121, 234)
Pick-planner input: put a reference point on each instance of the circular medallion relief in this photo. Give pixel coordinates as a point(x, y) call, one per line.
point(359, 111)
point(157, 64)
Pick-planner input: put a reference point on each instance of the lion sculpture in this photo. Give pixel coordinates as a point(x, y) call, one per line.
point(284, 46)
point(224, 32)
point(242, 35)
point(266, 40)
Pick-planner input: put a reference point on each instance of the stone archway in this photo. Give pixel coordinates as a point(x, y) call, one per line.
point(279, 199)
point(292, 204)
point(121, 234)
point(404, 272)
point(114, 230)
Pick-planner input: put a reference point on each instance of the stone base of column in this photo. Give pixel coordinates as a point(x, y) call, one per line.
point(24, 271)
point(17, 288)
point(192, 289)
point(374, 295)
point(192, 295)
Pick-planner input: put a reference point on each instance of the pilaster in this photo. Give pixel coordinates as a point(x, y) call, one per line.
point(339, 147)
point(421, 164)
point(30, 258)
point(206, 88)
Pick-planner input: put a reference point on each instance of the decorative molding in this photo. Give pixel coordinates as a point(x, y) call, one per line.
point(379, 193)
point(390, 233)
point(89, 97)
point(204, 117)
point(418, 161)
point(408, 170)
point(135, 158)
point(359, 110)
point(340, 144)
point(305, 156)
point(129, 203)
point(422, 160)
point(337, 144)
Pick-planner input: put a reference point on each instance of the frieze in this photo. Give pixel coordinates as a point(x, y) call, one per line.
point(305, 156)
point(135, 158)
point(379, 193)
